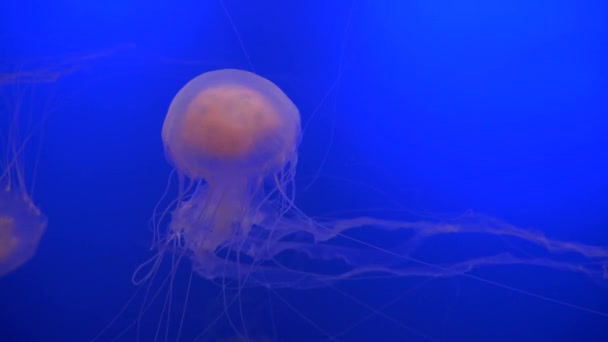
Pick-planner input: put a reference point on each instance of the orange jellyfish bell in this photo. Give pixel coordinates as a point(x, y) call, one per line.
point(230, 121)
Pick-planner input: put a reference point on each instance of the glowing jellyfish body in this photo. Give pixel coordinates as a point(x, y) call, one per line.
point(235, 135)
point(233, 129)
point(27, 104)
point(21, 222)
point(21, 228)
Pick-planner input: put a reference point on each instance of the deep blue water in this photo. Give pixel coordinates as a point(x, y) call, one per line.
point(434, 108)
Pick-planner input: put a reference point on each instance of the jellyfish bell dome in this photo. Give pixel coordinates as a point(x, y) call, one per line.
point(22, 226)
point(230, 121)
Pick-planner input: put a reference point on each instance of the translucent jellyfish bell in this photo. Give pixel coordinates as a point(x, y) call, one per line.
point(234, 135)
point(21, 228)
point(231, 123)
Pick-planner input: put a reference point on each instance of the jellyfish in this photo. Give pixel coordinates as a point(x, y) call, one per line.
point(22, 224)
point(27, 93)
point(233, 138)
